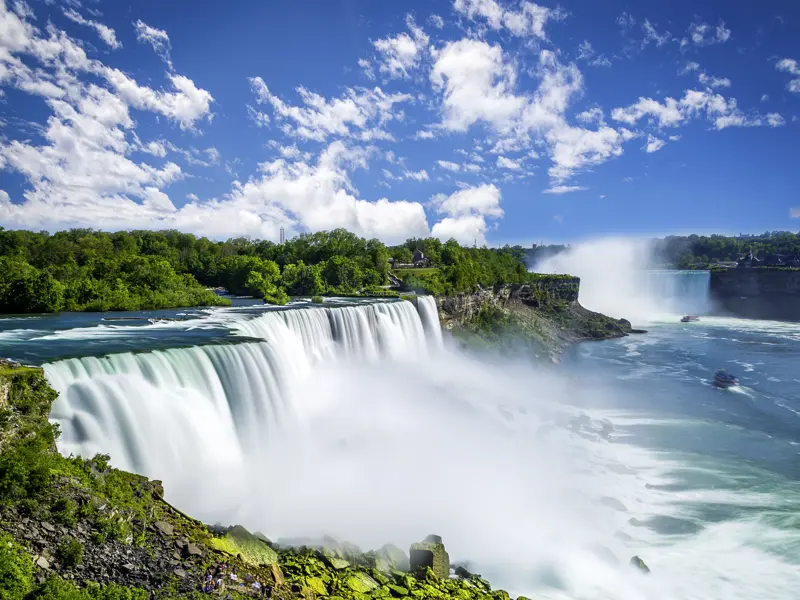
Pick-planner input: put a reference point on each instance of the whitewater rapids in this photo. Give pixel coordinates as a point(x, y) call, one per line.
point(360, 423)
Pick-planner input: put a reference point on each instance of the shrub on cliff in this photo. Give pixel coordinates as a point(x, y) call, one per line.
point(16, 569)
point(70, 552)
point(56, 588)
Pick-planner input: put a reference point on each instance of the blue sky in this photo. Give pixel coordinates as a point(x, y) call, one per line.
point(488, 121)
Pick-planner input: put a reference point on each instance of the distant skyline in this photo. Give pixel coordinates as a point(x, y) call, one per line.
point(501, 122)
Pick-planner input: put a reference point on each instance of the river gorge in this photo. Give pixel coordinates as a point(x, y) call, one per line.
point(363, 420)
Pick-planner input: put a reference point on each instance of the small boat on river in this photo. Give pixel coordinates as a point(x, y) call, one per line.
point(689, 318)
point(723, 379)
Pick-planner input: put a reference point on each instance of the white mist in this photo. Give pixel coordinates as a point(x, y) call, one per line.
point(618, 278)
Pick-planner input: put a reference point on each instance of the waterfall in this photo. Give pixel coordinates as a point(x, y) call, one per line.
point(618, 279)
point(183, 414)
point(429, 314)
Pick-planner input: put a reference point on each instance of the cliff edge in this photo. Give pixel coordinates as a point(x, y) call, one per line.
point(544, 317)
point(757, 293)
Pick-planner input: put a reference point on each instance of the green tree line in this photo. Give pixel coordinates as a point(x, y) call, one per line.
point(689, 251)
point(87, 270)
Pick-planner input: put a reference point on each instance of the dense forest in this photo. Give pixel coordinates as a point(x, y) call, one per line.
point(86, 270)
point(700, 250)
point(690, 251)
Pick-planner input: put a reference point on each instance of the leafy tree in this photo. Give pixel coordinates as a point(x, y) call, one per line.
point(303, 280)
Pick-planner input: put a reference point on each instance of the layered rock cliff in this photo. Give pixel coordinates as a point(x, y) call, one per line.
point(544, 316)
point(757, 293)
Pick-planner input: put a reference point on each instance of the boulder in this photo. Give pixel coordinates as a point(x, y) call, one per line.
point(239, 541)
point(334, 558)
point(43, 563)
point(316, 585)
point(164, 527)
point(430, 553)
point(192, 550)
point(391, 558)
point(397, 590)
point(639, 564)
point(157, 487)
point(361, 583)
point(277, 574)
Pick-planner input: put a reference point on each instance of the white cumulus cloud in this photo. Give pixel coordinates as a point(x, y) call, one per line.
point(157, 38)
point(467, 211)
point(106, 33)
point(507, 163)
point(401, 54)
point(528, 21)
point(791, 66)
point(361, 113)
point(654, 144)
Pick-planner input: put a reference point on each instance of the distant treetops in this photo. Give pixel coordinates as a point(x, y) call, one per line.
point(86, 270)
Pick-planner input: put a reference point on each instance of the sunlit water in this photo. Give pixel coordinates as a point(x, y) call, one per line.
point(358, 423)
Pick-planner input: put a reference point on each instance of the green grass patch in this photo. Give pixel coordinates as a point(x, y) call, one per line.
point(422, 271)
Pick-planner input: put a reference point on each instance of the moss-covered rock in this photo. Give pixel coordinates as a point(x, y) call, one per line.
point(334, 558)
point(430, 554)
point(397, 591)
point(238, 541)
point(317, 585)
point(361, 582)
point(639, 564)
point(391, 558)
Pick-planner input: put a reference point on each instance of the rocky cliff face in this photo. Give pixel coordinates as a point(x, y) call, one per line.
point(462, 308)
point(758, 293)
point(544, 316)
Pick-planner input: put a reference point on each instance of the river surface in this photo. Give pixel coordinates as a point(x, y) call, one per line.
point(548, 480)
point(720, 487)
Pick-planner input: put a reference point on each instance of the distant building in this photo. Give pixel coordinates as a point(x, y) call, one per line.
point(420, 260)
point(776, 260)
point(749, 260)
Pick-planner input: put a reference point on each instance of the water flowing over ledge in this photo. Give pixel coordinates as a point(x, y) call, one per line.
point(181, 413)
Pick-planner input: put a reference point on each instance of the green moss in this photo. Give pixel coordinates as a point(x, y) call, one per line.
point(70, 552)
point(400, 273)
point(65, 511)
point(397, 591)
point(239, 541)
point(316, 585)
point(56, 588)
point(361, 582)
point(16, 569)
